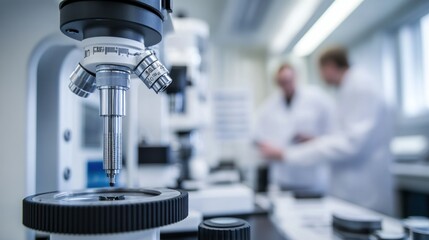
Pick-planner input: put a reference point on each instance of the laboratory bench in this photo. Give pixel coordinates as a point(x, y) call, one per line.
point(281, 216)
point(261, 228)
point(412, 175)
point(302, 219)
point(412, 187)
point(312, 218)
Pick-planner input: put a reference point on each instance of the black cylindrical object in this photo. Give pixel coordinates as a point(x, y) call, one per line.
point(419, 234)
point(224, 229)
point(354, 223)
point(130, 19)
point(104, 211)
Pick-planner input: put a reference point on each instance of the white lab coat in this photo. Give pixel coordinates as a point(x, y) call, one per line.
point(311, 113)
point(359, 149)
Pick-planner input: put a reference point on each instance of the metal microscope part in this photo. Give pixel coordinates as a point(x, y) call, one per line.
point(112, 148)
point(113, 82)
point(151, 71)
point(129, 19)
point(82, 82)
point(114, 35)
point(102, 211)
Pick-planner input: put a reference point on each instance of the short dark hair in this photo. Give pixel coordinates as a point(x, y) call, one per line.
point(336, 55)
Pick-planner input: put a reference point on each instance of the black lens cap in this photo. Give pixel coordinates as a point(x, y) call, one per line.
point(224, 229)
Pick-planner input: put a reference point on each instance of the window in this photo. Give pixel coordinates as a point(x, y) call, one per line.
point(413, 63)
point(424, 23)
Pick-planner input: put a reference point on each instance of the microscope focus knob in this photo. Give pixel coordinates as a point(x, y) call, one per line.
point(104, 211)
point(224, 229)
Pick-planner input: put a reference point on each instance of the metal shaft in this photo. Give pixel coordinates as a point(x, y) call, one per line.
point(113, 82)
point(112, 148)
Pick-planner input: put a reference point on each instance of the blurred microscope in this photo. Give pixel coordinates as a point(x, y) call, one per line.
point(181, 126)
point(187, 124)
point(189, 108)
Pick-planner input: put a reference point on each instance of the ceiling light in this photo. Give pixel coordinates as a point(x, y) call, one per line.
point(295, 19)
point(325, 25)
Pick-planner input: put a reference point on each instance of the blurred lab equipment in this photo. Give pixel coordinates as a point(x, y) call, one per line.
point(189, 112)
point(157, 166)
point(155, 154)
point(359, 149)
point(183, 117)
point(292, 116)
point(411, 169)
point(186, 50)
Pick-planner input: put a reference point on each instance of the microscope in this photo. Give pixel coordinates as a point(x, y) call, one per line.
point(115, 36)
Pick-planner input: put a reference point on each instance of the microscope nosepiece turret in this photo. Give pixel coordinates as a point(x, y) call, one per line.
point(115, 36)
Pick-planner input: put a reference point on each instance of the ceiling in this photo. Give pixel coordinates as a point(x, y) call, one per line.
point(208, 10)
point(371, 14)
point(255, 23)
point(248, 23)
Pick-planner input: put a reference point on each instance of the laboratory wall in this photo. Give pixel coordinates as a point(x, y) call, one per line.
point(232, 67)
point(24, 25)
point(244, 71)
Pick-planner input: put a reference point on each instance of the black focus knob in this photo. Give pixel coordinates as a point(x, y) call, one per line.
point(224, 229)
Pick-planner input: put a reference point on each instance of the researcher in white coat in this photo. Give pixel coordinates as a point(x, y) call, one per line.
point(359, 150)
point(292, 116)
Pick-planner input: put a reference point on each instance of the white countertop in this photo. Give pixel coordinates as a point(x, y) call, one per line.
point(311, 219)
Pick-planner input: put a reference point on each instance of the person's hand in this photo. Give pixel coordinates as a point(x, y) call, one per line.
point(270, 152)
point(302, 138)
